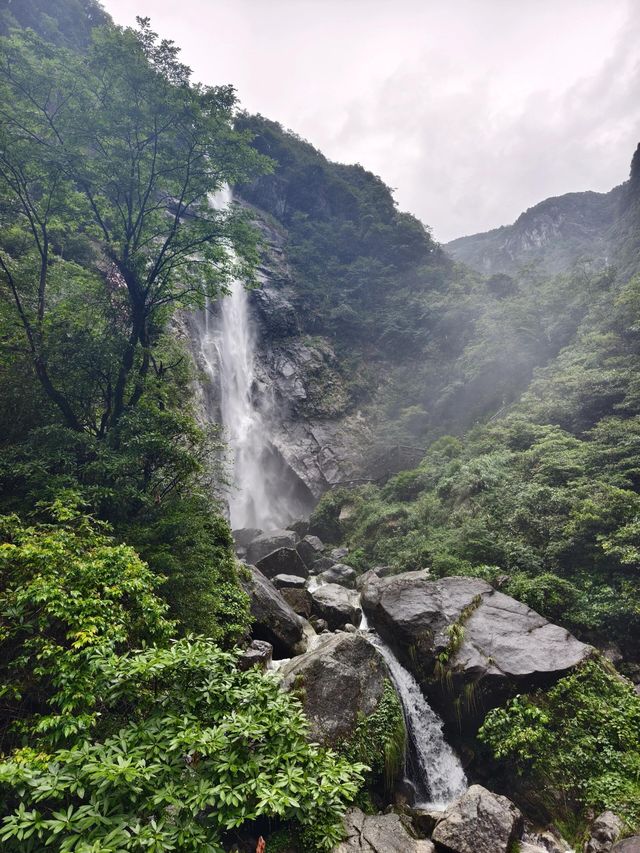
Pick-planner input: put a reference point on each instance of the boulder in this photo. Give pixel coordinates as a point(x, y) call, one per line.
point(479, 822)
point(320, 626)
point(310, 548)
point(265, 543)
point(605, 829)
point(339, 553)
point(259, 654)
point(288, 581)
point(244, 536)
point(323, 563)
point(341, 679)
point(627, 845)
point(300, 526)
point(336, 604)
point(382, 833)
point(282, 561)
point(299, 600)
point(274, 619)
point(489, 641)
point(340, 574)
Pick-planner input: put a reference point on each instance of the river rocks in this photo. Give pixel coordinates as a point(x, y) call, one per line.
point(383, 833)
point(282, 561)
point(479, 822)
point(299, 600)
point(323, 563)
point(339, 553)
point(288, 581)
point(274, 619)
point(259, 654)
point(488, 640)
point(340, 574)
point(605, 829)
point(340, 679)
point(266, 543)
point(310, 548)
point(336, 604)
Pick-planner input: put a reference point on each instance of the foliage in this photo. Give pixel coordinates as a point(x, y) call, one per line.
point(203, 748)
point(579, 738)
point(115, 747)
point(66, 588)
point(378, 741)
point(542, 502)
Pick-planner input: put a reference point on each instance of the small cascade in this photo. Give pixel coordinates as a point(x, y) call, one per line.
point(432, 768)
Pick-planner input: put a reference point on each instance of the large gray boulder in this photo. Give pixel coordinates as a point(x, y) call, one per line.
point(340, 574)
point(382, 833)
point(479, 638)
point(299, 600)
point(604, 830)
point(265, 543)
point(341, 679)
point(259, 654)
point(273, 619)
point(479, 822)
point(337, 605)
point(288, 582)
point(282, 561)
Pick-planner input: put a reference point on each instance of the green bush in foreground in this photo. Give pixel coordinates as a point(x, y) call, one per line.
point(580, 739)
point(111, 748)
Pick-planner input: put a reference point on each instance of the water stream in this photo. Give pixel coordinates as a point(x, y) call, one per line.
point(432, 769)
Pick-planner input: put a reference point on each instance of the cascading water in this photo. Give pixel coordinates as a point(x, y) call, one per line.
point(264, 491)
point(432, 768)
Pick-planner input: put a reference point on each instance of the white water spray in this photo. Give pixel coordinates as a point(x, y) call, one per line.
point(431, 766)
point(264, 493)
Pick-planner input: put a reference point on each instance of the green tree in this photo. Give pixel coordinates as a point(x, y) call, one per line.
point(118, 145)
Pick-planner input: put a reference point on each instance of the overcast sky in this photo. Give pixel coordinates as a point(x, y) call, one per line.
point(471, 110)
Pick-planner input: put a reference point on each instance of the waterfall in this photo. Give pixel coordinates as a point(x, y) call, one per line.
point(432, 768)
point(265, 493)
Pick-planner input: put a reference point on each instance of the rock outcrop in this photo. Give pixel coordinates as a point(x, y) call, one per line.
point(274, 619)
point(479, 822)
point(385, 833)
point(340, 574)
point(340, 680)
point(464, 629)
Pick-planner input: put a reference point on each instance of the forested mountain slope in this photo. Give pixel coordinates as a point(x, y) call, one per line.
point(592, 228)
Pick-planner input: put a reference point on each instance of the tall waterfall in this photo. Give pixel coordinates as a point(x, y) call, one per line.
point(431, 766)
point(264, 492)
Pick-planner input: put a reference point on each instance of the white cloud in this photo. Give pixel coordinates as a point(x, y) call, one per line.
point(472, 110)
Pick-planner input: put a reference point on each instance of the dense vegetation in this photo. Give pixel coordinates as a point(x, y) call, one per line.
point(428, 346)
point(576, 745)
point(543, 502)
point(120, 731)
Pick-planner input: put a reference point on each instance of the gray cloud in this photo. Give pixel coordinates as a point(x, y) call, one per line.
point(472, 110)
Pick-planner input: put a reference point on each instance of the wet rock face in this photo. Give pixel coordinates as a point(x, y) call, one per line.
point(387, 833)
point(488, 640)
point(274, 619)
point(341, 679)
point(479, 822)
